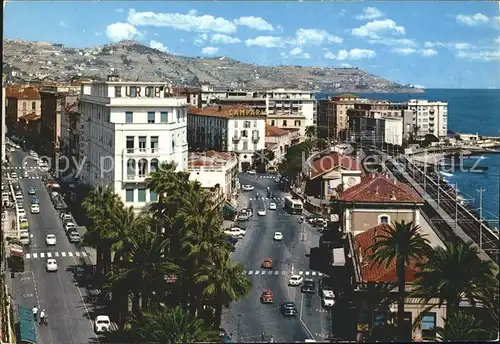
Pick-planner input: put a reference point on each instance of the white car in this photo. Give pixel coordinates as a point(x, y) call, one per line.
point(21, 212)
point(69, 225)
point(247, 187)
point(236, 232)
point(278, 236)
point(295, 280)
point(261, 212)
point(327, 298)
point(13, 175)
point(251, 171)
point(50, 240)
point(102, 324)
point(35, 209)
point(51, 265)
point(272, 206)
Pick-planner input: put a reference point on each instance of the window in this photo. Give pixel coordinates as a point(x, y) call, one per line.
point(154, 165)
point(141, 193)
point(130, 144)
point(428, 325)
point(384, 219)
point(129, 195)
point(154, 144)
point(245, 145)
point(255, 147)
point(244, 133)
point(236, 124)
point(246, 124)
point(24, 105)
point(284, 122)
point(143, 168)
point(118, 91)
point(130, 169)
point(151, 117)
point(153, 196)
point(380, 318)
point(33, 105)
point(272, 122)
point(129, 117)
point(142, 143)
point(297, 123)
point(163, 117)
point(255, 124)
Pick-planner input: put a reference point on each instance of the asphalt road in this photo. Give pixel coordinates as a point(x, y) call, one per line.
point(248, 318)
point(69, 320)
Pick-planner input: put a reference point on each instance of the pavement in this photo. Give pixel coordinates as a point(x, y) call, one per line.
point(248, 319)
point(69, 314)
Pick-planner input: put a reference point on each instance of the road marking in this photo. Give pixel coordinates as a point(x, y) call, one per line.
point(307, 273)
point(301, 272)
point(270, 273)
point(63, 254)
point(300, 317)
point(313, 273)
point(250, 272)
point(277, 272)
point(283, 273)
point(70, 254)
point(35, 255)
point(49, 255)
point(244, 272)
point(84, 254)
point(77, 254)
point(257, 272)
point(56, 254)
point(28, 256)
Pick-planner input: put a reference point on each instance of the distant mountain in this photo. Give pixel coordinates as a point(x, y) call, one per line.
point(26, 61)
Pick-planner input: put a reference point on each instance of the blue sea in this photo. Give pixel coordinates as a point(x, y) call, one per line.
point(469, 111)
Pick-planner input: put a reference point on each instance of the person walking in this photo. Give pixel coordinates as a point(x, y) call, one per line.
point(34, 310)
point(43, 319)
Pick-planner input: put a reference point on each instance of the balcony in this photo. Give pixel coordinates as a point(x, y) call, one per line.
point(135, 178)
point(255, 138)
point(236, 138)
point(144, 151)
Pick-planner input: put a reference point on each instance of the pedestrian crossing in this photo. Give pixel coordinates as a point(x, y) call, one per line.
point(269, 198)
point(43, 255)
point(280, 273)
point(266, 177)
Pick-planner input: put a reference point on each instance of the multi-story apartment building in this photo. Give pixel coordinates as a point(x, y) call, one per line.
point(228, 129)
point(291, 109)
point(4, 125)
point(21, 101)
point(129, 129)
point(429, 118)
point(376, 126)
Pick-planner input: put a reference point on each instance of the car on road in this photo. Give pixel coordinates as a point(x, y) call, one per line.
point(261, 212)
point(65, 217)
point(244, 215)
point(278, 236)
point(19, 194)
point(51, 265)
point(288, 308)
point(31, 190)
point(13, 175)
point(251, 172)
point(272, 206)
point(50, 240)
point(295, 280)
point(69, 225)
point(74, 237)
point(21, 213)
point(35, 200)
point(247, 187)
point(267, 263)
point(236, 232)
point(308, 286)
point(102, 324)
point(35, 209)
point(267, 296)
point(327, 297)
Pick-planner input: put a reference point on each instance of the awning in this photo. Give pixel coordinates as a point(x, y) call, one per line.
point(229, 211)
point(27, 332)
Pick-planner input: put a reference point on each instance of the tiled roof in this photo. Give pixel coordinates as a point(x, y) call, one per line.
point(371, 271)
point(226, 111)
point(331, 161)
point(377, 187)
point(209, 158)
point(275, 131)
point(22, 93)
point(30, 117)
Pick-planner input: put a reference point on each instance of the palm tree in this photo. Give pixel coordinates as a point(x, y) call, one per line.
point(223, 283)
point(453, 273)
point(401, 244)
point(310, 131)
point(171, 326)
point(461, 327)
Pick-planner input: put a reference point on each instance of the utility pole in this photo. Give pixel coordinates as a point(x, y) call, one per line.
point(481, 190)
point(439, 187)
point(456, 205)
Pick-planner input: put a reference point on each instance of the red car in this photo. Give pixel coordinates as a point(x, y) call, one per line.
point(267, 263)
point(267, 296)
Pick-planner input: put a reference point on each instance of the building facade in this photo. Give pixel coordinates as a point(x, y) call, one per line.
point(227, 129)
point(4, 125)
point(429, 118)
point(21, 101)
point(376, 126)
point(130, 128)
point(279, 140)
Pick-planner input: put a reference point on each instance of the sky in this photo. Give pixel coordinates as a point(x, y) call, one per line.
point(433, 44)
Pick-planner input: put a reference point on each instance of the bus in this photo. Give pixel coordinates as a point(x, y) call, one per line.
point(293, 206)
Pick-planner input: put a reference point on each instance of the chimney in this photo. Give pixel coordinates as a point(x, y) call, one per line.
point(393, 196)
point(395, 181)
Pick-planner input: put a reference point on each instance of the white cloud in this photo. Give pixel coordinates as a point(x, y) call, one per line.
point(265, 42)
point(472, 20)
point(298, 53)
point(209, 50)
point(220, 38)
point(122, 31)
point(201, 39)
point(370, 13)
point(256, 23)
point(410, 51)
point(353, 54)
point(428, 52)
point(120, 10)
point(404, 51)
point(179, 21)
point(345, 65)
point(158, 46)
point(394, 42)
point(63, 24)
point(483, 55)
point(462, 46)
point(374, 28)
point(315, 37)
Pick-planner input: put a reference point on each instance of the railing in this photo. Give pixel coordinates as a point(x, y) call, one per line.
point(144, 151)
point(236, 138)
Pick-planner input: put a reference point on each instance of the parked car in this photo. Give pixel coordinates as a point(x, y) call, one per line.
point(235, 231)
point(74, 237)
point(102, 324)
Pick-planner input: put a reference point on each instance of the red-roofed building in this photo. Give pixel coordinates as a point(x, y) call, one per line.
point(331, 173)
point(279, 140)
point(20, 101)
point(29, 126)
point(378, 199)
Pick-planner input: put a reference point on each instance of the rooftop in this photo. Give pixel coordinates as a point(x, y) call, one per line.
point(275, 131)
point(30, 117)
point(377, 187)
point(371, 271)
point(226, 111)
point(22, 93)
point(209, 159)
point(332, 161)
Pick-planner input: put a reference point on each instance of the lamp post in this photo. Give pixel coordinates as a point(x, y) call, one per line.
point(239, 316)
point(481, 190)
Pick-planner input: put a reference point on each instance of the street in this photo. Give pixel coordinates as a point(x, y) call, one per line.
point(69, 320)
point(248, 319)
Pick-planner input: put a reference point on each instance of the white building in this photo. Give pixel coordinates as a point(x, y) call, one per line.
point(279, 140)
point(429, 117)
point(129, 129)
point(228, 129)
point(4, 126)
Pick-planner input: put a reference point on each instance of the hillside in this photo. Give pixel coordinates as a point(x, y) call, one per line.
point(34, 61)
